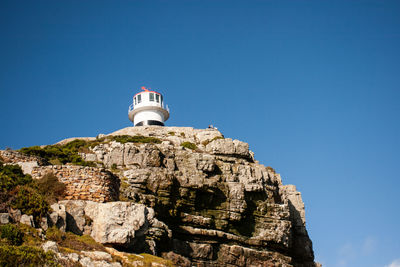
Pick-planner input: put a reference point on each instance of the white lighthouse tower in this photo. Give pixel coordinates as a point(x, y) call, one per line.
point(148, 108)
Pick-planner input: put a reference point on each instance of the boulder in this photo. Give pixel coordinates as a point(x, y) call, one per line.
point(28, 166)
point(229, 147)
point(28, 220)
point(44, 223)
point(50, 246)
point(97, 255)
point(75, 215)
point(89, 259)
point(74, 257)
point(4, 218)
point(58, 217)
point(115, 223)
point(88, 262)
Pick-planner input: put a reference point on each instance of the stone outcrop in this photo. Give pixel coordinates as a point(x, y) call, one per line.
point(27, 163)
point(123, 225)
point(58, 217)
point(4, 218)
point(211, 204)
point(11, 156)
point(89, 259)
point(220, 205)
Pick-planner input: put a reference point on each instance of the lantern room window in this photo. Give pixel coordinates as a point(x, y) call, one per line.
point(157, 98)
point(139, 98)
point(134, 100)
point(151, 96)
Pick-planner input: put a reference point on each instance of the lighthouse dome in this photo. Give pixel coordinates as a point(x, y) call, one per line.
point(148, 108)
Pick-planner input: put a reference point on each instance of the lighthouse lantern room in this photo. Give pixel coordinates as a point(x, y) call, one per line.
point(148, 108)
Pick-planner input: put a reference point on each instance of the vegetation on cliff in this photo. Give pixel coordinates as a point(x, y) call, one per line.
point(25, 256)
point(12, 234)
point(60, 154)
point(190, 196)
point(20, 246)
point(32, 197)
point(69, 152)
point(12, 176)
point(135, 139)
point(189, 145)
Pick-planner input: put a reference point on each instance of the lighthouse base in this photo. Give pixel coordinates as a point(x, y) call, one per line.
point(149, 122)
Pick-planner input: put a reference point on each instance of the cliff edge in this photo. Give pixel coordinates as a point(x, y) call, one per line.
point(188, 195)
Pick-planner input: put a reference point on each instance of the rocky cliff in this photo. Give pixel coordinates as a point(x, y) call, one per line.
point(187, 195)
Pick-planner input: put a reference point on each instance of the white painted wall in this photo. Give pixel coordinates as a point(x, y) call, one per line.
point(148, 113)
point(146, 100)
point(145, 115)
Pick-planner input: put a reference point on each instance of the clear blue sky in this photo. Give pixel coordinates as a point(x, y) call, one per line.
point(312, 86)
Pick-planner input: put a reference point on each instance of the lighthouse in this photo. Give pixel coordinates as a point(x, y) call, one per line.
point(148, 108)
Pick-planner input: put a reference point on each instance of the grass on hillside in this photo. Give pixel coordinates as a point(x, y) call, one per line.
point(69, 153)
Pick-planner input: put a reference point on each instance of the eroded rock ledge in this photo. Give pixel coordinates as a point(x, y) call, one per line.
point(214, 205)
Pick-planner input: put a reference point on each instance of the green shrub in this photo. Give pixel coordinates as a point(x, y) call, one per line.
point(136, 139)
point(50, 188)
point(206, 142)
point(72, 241)
point(183, 134)
point(189, 145)
point(11, 256)
point(32, 237)
point(12, 233)
point(30, 202)
point(82, 242)
point(63, 154)
point(69, 152)
point(55, 234)
point(171, 133)
point(12, 176)
point(32, 197)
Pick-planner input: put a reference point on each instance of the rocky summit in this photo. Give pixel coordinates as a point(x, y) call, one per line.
point(190, 196)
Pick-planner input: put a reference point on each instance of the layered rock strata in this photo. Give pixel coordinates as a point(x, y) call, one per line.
point(221, 206)
point(194, 197)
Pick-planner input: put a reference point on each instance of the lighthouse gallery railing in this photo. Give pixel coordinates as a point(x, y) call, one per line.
point(132, 107)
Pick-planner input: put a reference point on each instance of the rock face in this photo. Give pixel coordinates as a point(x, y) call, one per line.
point(193, 197)
point(124, 225)
point(221, 206)
point(27, 163)
point(84, 183)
